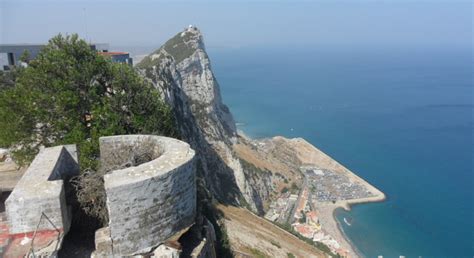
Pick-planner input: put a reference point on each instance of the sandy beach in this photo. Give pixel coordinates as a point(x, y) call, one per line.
point(329, 222)
point(309, 154)
point(331, 226)
point(283, 154)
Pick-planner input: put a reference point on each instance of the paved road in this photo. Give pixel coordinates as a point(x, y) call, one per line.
point(292, 213)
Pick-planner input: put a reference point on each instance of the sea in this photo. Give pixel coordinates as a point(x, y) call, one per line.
point(399, 117)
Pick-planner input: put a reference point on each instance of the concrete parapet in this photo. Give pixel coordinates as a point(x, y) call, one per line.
point(41, 190)
point(148, 202)
point(164, 251)
point(206, 248)
point(103, 243)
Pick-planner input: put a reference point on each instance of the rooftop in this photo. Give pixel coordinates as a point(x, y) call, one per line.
point(112, 53)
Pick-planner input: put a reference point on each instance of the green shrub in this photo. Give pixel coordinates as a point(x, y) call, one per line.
point(69, 94)
point(275, 243)
point(257, 253)
point(294, 188)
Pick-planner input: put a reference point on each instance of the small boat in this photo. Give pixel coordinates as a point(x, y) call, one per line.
point(347, 222)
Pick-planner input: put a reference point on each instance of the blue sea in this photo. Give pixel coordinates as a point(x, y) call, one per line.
point(401, 118)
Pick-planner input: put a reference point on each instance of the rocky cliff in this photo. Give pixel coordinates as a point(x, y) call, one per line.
point(181, 69)
point(251, 173)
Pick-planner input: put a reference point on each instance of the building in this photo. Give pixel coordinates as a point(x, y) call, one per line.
point(100, 47)
point(10, 53)
point(312, 218)
point(118, 57)
point(304, 230)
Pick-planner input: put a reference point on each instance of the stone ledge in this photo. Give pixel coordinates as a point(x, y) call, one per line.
point(170, 154)
point(41, 190)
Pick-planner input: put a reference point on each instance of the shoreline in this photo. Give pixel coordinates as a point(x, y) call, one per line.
point(353, 247)
point(326, 210)
point(379, 196)
point(332, 225)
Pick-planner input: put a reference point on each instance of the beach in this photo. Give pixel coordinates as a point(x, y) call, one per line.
point(331, 225)
point(341, 187)
point(390, 116)
point(327, 211)
point(309, 154)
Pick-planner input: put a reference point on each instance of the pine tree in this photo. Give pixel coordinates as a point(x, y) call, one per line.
point(69, 94)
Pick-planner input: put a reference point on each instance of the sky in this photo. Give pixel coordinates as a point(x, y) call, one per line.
point(231, 24)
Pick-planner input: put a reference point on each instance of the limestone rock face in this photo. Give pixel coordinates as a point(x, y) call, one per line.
point(183, 63)
point(181, 70)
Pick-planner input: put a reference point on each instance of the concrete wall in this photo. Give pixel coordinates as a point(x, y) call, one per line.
point(150, 202)
point(164, 251)
point(206, 248)
point(125, 58)
point(41, 189)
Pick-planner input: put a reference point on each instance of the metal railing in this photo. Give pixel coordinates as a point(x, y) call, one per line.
point(43, 215)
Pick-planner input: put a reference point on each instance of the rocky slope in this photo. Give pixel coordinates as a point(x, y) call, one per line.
point(235, 168)
point(238, 170)
point(181, 69)
point(248, 233)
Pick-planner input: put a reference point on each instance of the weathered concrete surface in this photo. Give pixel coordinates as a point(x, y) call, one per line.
point(10, 172)
point(150, 202)
point(165, 251)
point(103, 243)
point(41, 190)
point(206, 248)
point(4, 235)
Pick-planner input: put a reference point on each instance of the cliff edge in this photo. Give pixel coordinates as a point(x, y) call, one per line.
point(284, 179)
point(181, 69)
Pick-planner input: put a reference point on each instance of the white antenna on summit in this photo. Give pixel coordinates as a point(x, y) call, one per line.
point(85, 24)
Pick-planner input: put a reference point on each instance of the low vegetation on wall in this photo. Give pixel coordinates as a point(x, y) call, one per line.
point(121, 156)
point(70, 94)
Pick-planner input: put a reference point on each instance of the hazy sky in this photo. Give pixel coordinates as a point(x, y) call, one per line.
point(244, 23)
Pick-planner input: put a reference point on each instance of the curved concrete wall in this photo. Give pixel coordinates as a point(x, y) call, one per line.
point(150, 202)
